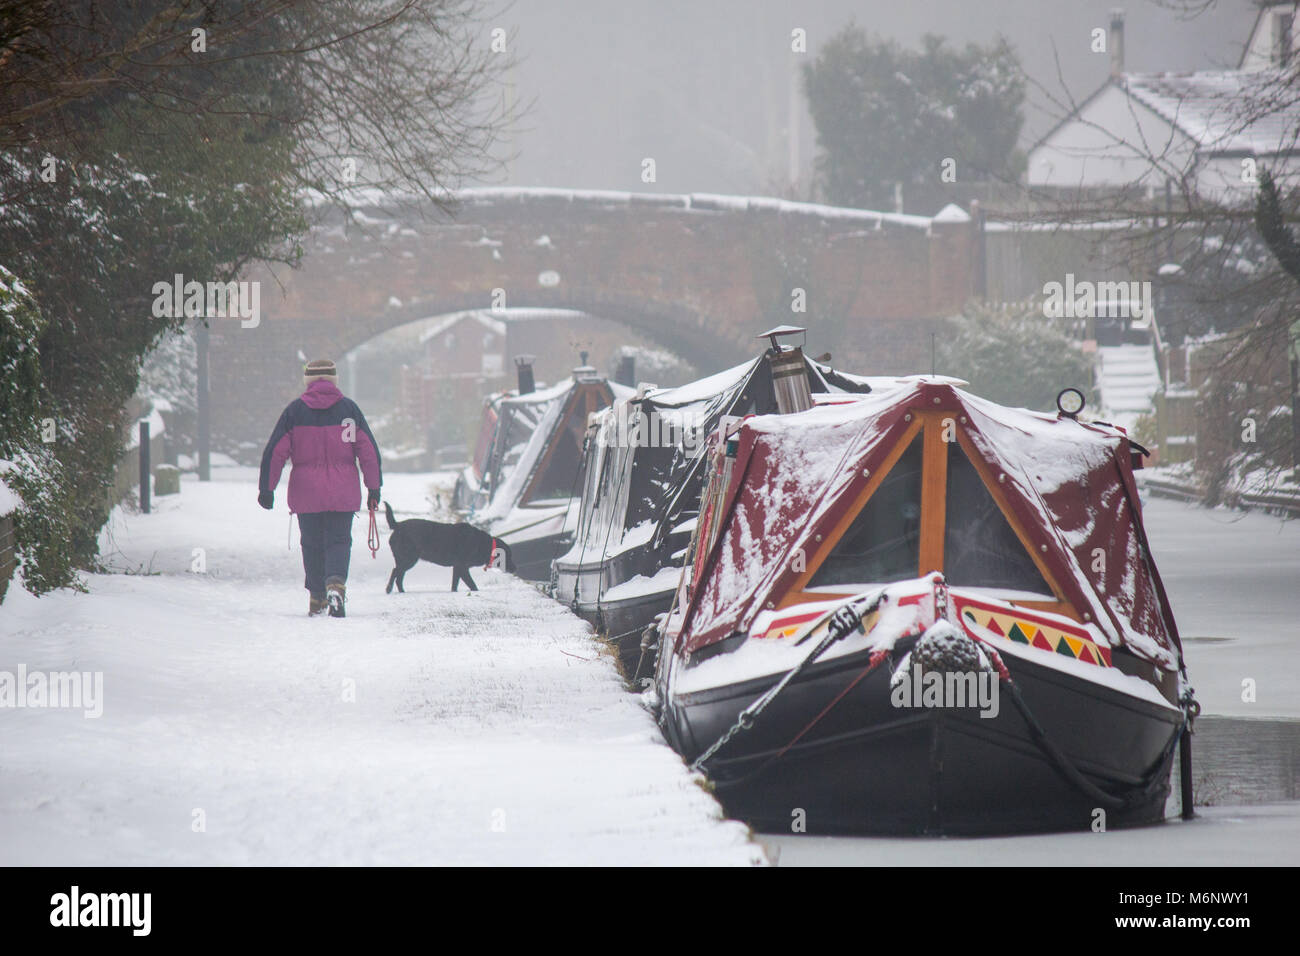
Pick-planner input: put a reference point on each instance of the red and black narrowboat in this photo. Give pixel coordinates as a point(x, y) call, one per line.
point(916, 611)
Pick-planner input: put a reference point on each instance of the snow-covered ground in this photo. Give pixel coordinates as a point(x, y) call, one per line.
point(434, 727)
point(425, 728)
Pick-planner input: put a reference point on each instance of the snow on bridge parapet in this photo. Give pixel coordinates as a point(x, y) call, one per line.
point(694, 202)
point(609, 199)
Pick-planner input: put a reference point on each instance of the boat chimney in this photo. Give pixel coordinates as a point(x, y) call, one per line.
point(1116, 43)
point(789, 374)
point(584, 372)
point(524, 368)
point(626, 373)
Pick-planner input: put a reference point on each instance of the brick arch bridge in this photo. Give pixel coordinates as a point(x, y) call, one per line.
point(699, 274)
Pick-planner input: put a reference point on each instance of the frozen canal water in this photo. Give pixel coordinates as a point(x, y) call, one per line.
point(1234, 582)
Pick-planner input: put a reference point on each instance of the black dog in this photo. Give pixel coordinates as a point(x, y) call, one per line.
point(456, 546)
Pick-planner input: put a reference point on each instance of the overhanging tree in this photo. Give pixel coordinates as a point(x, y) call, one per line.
point(140, 139)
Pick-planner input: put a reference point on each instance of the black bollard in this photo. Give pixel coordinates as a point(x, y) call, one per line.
point(144, 468)
point(204, 401)
point(1185, 773)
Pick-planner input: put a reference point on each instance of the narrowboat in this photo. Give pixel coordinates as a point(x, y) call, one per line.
point(527, 496)
point(919, 612)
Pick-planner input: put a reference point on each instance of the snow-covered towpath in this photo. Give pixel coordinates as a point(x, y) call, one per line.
point(425, 728)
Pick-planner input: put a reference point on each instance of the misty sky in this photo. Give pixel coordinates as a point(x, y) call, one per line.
point(704, 86)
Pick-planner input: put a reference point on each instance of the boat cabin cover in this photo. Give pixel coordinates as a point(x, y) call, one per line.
point(1039, 510)
point(537, 449)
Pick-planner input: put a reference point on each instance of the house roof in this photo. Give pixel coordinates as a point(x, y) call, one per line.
point(1247, 112)
point(1224, 111)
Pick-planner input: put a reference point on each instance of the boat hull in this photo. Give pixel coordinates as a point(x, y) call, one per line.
point(533, 556)
point(624, 623)
point(871, 767)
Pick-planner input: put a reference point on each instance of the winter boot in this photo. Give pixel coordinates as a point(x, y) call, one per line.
point(336, 595)
point(317, 605)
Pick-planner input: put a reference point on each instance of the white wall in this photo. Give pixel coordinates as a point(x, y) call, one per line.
point(1111, 143)
point(1258, 54)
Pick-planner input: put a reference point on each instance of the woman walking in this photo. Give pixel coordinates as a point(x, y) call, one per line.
point(325, 436)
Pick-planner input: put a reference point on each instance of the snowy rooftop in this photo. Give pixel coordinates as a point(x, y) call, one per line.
point(1224, 110)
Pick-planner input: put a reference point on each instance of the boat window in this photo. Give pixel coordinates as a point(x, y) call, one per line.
point(980, 548)
point(883, 542)
point(562, 463)
point(597, 503)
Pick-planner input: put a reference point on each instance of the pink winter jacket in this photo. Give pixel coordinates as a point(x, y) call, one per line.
point(325, 436)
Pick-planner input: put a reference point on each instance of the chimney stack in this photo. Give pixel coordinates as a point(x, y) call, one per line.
point(1116, 42)
point(626, 374)
point(524, 368)
point(789, 373)
point(1281, 38)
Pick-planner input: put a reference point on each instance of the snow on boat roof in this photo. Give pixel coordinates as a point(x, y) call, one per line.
point(1069, 484)
point(719, 382)
point(703, 388)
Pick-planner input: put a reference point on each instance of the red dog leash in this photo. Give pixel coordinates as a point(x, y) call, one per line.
point(372, 536)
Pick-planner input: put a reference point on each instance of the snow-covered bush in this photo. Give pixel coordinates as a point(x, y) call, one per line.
point(30, 477)
point(44, 526)
point(20, 368)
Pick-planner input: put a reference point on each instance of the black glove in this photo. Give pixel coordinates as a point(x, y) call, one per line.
point(372, 499)
point(266, 499)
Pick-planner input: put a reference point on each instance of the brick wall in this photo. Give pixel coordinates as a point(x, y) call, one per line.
point(8, 559)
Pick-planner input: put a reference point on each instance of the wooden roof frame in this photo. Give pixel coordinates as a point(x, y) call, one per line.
point(930, 425)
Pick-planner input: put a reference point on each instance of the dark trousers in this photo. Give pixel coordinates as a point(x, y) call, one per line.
point(326, 547)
